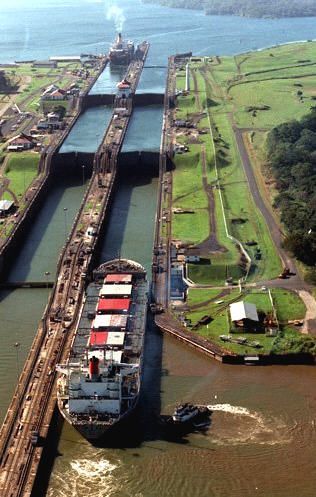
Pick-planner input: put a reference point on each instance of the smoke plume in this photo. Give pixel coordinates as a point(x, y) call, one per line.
point(115, 13)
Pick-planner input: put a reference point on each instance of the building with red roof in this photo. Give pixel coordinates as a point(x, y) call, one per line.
point(21, 142)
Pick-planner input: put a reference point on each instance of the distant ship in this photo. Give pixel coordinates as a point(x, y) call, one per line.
point(99, 384)
point(121, 52)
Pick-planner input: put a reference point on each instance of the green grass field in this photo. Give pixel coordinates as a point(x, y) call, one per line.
point(215, 303)
point(245, 222)
point(282, 79)
point(269, 77)
point(235, 90)
point(21, 169)
point(276, 57)
point(188, 191)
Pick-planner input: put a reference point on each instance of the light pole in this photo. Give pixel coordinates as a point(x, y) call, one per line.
point(24, 183)
point(47, 273)
point(65, 221)
point(83, 168)
point(16, 346)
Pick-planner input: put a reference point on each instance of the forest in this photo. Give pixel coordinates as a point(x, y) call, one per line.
point(247, 8)
point(292, 156)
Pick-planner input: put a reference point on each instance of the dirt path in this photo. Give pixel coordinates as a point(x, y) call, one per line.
point(211, 243)
point(309, 326)
point(196, 91)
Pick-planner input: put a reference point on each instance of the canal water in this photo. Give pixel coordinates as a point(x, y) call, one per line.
point(137, 136)
point(262, 438)
point(261, 441)
point(21, 310)
point(153, 80)
point(88, 131)
point(107, 81)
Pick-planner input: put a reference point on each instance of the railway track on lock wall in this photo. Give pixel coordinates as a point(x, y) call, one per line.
point(18, 455)
point(29, 416)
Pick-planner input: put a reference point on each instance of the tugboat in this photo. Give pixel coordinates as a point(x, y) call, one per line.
point(184, 413)
point(187, 418)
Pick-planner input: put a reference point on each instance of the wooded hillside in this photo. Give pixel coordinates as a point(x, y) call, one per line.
point(292, 156)
point(248, 8)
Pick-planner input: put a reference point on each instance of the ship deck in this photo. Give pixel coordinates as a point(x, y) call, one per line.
point(135, 329)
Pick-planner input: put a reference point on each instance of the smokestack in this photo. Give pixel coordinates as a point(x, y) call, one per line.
point(119, 39)
point(94, 368)
point(187, 77)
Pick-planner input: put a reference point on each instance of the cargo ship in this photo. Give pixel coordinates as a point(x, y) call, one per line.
point(121, 52)
point(99, 384)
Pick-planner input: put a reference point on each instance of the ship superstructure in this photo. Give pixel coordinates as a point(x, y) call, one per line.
point(121, 52)
point(100, 383)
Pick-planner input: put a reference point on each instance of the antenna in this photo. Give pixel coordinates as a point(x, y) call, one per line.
point(119, 256)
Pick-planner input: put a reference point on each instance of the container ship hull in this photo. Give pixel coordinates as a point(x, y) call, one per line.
point(98, 387)
point(95, 430)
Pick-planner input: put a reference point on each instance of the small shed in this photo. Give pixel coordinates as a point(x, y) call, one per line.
point(6, 207)
point(244, 314)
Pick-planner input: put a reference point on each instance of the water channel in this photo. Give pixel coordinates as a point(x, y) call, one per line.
point(88, 131)
point(20, 310)
point(137, 136)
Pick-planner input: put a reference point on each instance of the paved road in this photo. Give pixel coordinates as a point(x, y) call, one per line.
point(275, 231)
point(295, 282)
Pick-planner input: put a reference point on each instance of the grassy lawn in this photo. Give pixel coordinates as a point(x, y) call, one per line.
point(281, 56)
point(188, 190)
point(284, 80)
point(279, 94)
point(34, 79)
point(188, 193)
point(245, 222)
point(274, 78)
point(21, 169)
point(288, 306)
point(214, 271)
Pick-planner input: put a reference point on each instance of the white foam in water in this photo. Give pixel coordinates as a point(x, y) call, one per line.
point(264, 432)
point(85, 477)
point(241, 411)
point(91, 468)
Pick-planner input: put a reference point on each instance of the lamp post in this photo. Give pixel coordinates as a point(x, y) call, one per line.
point(65, 221)
point(47, 273)
point(24, 183)
point(16, 346)
point(83, 176)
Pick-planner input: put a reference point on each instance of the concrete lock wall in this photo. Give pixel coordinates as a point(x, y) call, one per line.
point(139, 100)
point(70, 163)
point(96, 100)
point(145, 162)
